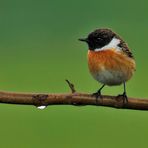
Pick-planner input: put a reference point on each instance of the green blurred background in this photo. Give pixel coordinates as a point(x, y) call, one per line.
point(39, 50)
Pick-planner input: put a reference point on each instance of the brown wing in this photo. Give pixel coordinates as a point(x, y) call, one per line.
point(125, 49)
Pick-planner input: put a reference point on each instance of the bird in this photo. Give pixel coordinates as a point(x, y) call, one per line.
point(110, 60)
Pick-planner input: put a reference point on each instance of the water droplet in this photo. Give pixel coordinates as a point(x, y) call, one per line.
point(41, 107)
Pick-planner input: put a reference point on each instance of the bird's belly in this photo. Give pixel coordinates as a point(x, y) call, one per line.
point(110, 77)
point(110, 68)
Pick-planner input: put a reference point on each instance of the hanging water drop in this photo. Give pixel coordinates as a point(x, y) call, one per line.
point(41, 107)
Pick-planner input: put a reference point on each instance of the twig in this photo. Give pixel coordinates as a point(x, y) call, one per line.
point(71, 86)
point(73, 98)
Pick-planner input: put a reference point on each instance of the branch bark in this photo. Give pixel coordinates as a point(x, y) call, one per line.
point(74, 98)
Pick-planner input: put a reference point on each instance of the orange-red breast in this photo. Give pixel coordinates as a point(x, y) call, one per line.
point(110, 61)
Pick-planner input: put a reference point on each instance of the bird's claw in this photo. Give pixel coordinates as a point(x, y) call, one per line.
point(97, 95)
point(124, 97)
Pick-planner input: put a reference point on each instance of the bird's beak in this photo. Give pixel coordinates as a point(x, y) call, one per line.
point(83, 40)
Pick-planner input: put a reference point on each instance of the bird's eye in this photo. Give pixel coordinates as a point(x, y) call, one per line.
point(99, 39)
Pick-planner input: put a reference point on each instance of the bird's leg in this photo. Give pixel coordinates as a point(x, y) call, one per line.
point(124, 95)
point(98, 93)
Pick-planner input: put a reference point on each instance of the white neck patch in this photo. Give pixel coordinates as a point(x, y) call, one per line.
point(113, 44)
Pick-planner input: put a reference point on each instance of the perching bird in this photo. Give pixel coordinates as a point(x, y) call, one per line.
point(110, 61)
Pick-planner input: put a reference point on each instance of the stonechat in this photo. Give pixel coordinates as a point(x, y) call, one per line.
point(110, 60)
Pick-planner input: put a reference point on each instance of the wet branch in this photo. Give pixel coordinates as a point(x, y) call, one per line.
point(74, 98)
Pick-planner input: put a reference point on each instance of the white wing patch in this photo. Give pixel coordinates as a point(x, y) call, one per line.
point(112, 44)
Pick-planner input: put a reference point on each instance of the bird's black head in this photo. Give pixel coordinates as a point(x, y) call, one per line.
point(99, 38)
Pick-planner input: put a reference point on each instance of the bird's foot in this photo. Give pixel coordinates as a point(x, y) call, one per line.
point(97, 95)
point(124, 97)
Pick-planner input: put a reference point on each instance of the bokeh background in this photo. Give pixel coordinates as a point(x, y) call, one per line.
point(39, 50)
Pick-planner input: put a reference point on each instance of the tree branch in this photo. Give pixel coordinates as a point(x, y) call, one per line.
point(74, 98)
